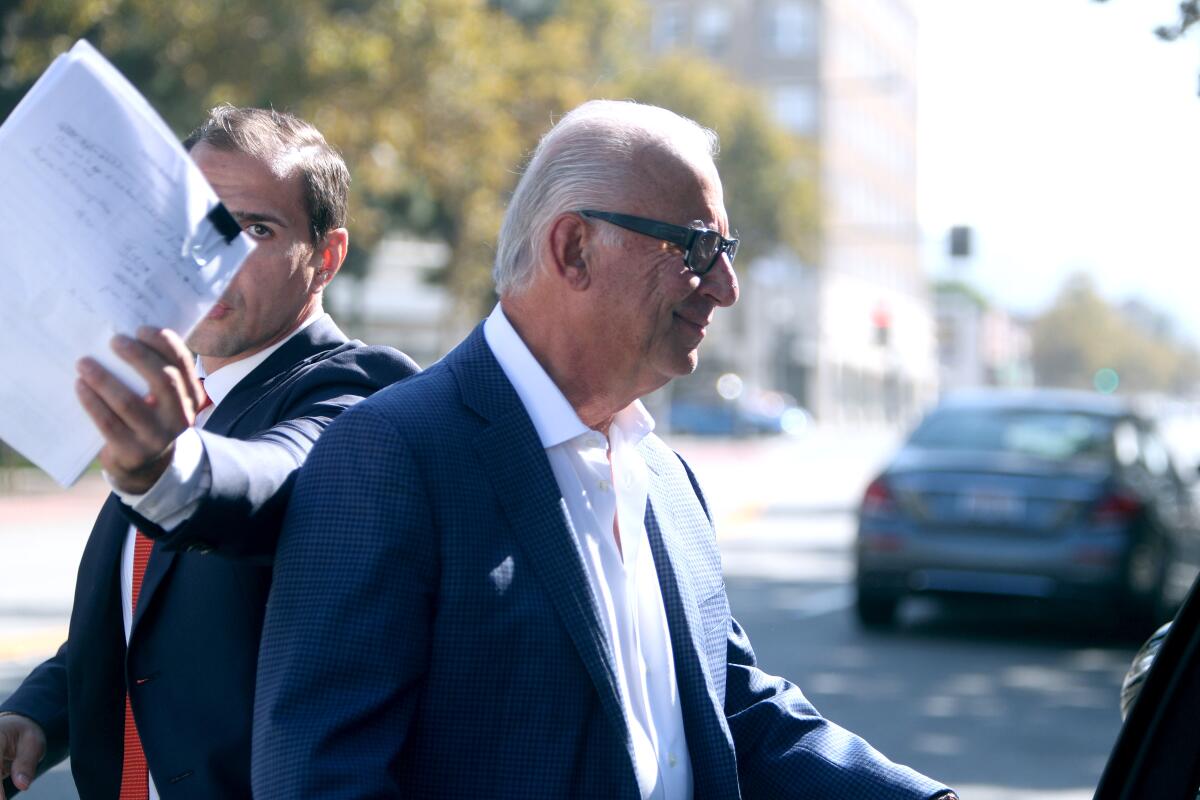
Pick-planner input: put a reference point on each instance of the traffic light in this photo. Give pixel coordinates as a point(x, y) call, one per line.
point(960, 241)
point(881, 322)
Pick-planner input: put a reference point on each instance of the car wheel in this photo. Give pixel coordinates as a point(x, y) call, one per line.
point(876, 610)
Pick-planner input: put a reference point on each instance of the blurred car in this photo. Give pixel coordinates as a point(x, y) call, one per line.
point(736, 418)
point(1044, 494)
point(1157, 753)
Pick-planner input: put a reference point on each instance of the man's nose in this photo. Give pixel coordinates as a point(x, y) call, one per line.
point(720, 283)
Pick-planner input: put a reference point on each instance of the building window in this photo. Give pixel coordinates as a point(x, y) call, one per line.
point(667, 27)
point(796, 108)
point(792, 29)
point(712, 29)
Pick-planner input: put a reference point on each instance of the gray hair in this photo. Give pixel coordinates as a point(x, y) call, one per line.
point(587, 160)
point(288, 143)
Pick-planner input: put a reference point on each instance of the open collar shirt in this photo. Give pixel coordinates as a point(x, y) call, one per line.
point(605, 482)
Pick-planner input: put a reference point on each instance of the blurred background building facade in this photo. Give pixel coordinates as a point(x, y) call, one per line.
point(851, 336)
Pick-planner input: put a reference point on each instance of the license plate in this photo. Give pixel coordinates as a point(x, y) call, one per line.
point(991, 506)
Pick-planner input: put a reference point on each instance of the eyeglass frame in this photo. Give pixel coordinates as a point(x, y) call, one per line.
point(678, 235)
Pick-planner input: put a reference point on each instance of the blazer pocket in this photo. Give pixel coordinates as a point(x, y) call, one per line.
point(714, 610)
point(714, 621)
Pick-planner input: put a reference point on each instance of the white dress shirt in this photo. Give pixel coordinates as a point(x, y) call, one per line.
point(604, 481)
point(177, 493)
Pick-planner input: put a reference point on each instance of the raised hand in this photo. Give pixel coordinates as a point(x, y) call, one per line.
point(140, 431)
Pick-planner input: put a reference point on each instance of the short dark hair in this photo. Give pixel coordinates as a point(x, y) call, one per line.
point(272, 135)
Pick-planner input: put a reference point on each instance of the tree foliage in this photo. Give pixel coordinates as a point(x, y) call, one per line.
point(1189, 15)
point(435, 103)
point(1081, 334)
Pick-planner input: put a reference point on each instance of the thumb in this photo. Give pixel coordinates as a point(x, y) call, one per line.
point(30, 750)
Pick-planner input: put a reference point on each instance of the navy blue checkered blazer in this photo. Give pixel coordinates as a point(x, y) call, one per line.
point(431, 632)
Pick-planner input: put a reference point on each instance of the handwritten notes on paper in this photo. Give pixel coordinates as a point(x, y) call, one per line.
point(102, 209)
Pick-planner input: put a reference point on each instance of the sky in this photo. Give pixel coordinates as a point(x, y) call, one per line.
point(1068, 136)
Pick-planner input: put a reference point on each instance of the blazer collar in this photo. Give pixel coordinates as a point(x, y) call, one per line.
point(320, 336)
point(536, 512)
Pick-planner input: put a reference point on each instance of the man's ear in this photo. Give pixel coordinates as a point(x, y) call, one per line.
point(330, 254)
point(568, 242)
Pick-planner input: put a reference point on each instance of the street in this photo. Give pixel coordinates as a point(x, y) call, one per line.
point(1000, 706)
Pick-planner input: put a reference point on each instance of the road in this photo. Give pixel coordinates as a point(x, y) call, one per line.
point(1001, 706)
point(997, 702)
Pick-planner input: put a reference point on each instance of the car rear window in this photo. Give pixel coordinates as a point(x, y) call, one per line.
point(1051, 434)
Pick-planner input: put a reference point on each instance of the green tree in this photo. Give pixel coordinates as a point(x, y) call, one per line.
point(1189, 15)
point(1081, 333)
point(435, 103)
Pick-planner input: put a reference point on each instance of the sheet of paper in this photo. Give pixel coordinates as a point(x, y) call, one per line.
point(107, 230)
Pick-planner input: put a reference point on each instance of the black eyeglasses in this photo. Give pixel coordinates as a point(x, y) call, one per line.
point(701, 246)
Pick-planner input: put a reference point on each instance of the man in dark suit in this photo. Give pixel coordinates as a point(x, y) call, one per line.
point(152, 694)
point(494, 580)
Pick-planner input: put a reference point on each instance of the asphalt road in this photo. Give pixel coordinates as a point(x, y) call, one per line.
point(1000, 703)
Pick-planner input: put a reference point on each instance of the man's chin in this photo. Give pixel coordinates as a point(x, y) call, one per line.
point(205, 340)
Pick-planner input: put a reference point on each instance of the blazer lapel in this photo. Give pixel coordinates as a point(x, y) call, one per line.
point(668, 527)
point(537, 514)
point(100, 571)
point(157, 568)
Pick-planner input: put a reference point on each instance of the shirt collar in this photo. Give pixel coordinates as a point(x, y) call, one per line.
point(634, 422)
point(220, 383)
point(553, 417)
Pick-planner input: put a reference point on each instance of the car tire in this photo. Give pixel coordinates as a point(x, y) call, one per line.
point(876, 610)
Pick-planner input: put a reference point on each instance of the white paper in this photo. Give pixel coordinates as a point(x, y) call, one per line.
point(105, 215)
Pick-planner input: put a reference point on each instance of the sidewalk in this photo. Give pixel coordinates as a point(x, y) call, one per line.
point(43, 529)
point(823, 470)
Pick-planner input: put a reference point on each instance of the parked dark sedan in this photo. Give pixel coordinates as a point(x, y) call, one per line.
point(1049, 495)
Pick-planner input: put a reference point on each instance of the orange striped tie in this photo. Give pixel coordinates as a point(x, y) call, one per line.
point(135, 775)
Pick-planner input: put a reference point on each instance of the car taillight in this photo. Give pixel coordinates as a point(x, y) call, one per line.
point(1116, 507)
point(878, 499)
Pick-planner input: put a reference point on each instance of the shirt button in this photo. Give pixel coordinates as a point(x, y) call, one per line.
point(671, 760)
point(603, 486)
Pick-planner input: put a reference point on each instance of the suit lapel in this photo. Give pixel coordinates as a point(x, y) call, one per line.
point(100, 570)
point(157, 568)
point(669, 527)
point(537, 513)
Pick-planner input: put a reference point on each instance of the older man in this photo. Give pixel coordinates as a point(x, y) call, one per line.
point(152, 693)
point(494, 580)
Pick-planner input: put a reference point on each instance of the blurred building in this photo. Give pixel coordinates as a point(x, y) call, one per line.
point(979, 345)
point(852, 337)
point(400, 304)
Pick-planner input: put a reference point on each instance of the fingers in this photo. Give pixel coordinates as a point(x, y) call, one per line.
point(172, 381)
point(111, 425)
point(113, 406)
point(139, 431)
point(24, 746)
point(170, 347)
point(31, 747)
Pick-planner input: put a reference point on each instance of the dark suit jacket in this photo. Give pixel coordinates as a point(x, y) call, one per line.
point(431, 631)
point(194, 644)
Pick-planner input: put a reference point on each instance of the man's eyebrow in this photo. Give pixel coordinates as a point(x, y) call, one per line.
point(258, 216)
